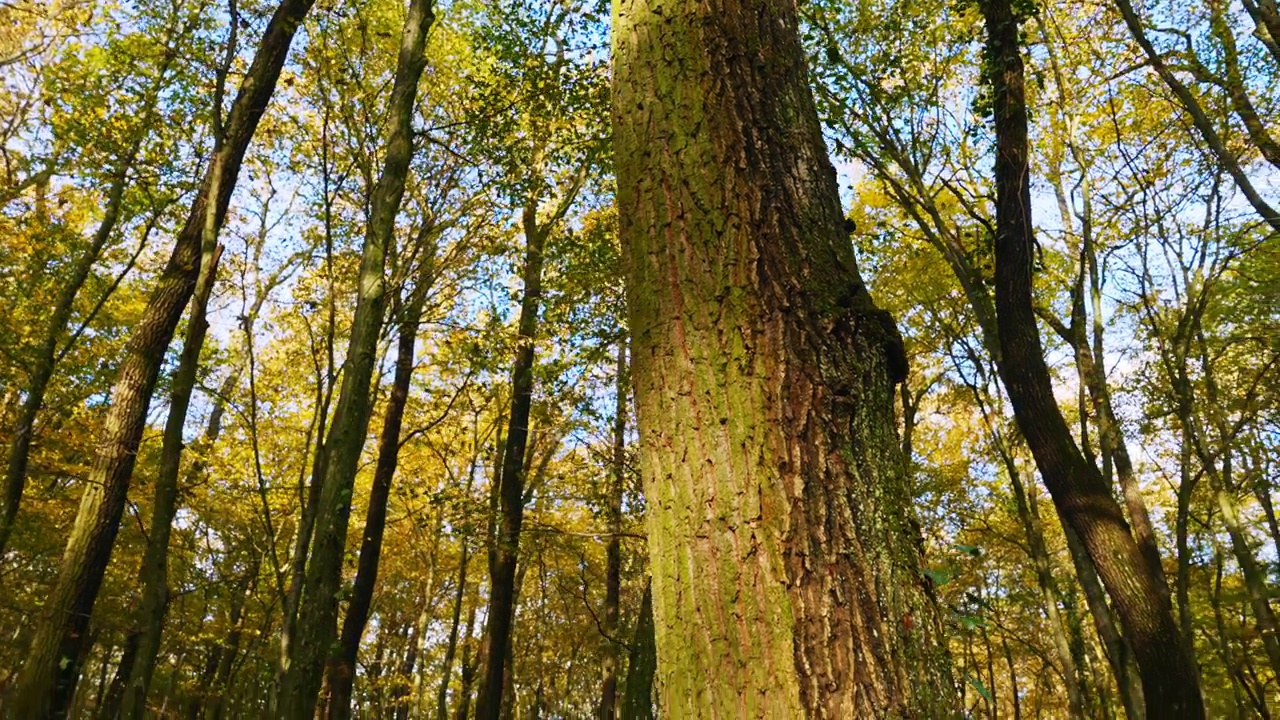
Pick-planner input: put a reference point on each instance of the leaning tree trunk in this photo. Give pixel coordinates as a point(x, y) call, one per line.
point(318, 609)
point(46, 683)
point(1081, 495)
point(340, 672)
point(155, 562)
point(46, 360)
point(784, 559)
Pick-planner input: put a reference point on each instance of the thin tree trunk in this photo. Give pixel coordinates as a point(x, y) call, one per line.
point(1048, 590)
point(341, 666)
point(1203, 124)
point(613, 553)
point(1117, 648)
point(318, 608)
point(44, 687)
point(1169, 676)
point(154, 574)
point(502, 570)
point(764, 379)
point(47, 359)
point(446, 666)
point(1013, 678)
point(467, 672)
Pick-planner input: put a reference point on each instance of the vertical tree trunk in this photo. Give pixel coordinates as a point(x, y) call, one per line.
point(44, 687)
point(1083, 499)
point(340, 672)
point(642, 664)
point(764, 378)
point(446, 666)
point(1048, 589)
point(318, 609)
point(502, 569)
point(613, 571)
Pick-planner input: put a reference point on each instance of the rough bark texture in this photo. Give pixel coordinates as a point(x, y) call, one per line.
point(785, 565)
point(318, 609)
point(1079, 492)
point(45, 687)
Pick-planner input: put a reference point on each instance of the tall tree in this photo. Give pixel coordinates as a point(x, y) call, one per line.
point(340, 671)
point(764, 378)
point(318, 609)
point(47, 682)
point(1081, 495)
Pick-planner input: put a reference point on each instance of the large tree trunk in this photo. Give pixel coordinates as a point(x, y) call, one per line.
point(340, 672)
point(1081, 495)
point(785, 563)
point(318, 609)
point(45, 687)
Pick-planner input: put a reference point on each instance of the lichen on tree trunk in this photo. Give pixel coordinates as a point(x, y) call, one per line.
point(786, 578)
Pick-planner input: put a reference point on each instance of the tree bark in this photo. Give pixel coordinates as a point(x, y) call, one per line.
point(764, 378)
point(45, 687)
point(1079, 491)
point(511, 481)
point(613, 552)
point(642, 664)
point(340, 672)
point(318, 608)
point(154, 574)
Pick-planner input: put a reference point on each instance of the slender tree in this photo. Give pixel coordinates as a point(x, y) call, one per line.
point(318, 609)
point(340, 672)
point(47, 681)
point(1080, 493)
point(784, 558)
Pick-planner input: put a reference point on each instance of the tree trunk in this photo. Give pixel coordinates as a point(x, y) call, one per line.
point(1116, 647)
point(638, 696)
point(44, 687)
point(446, 666)
point(342, 665)
point(613, 570)
point(502, 569)
point(154, 574)
point(1048, 591)
point(764, 379)
point(318, 609)
point(45, 362)
point(1079, 491)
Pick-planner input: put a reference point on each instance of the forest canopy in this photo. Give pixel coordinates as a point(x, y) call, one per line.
point(562, 358)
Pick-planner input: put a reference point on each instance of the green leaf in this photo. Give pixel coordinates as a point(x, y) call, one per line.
point(977, 685)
